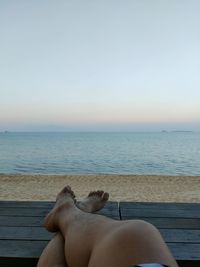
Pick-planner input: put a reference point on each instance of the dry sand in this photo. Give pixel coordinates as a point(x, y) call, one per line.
point(120, 187)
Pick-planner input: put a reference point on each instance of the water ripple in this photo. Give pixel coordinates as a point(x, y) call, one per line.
point(125, 153)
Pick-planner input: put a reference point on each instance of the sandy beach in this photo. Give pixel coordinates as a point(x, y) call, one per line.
point(121, 187)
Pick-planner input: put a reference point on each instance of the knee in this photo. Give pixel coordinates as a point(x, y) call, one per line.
point(141, 226)
point(144, 224)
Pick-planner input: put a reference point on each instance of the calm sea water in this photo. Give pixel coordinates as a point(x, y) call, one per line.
point(174, 153)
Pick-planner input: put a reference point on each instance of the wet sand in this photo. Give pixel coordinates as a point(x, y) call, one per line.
point(121, 187)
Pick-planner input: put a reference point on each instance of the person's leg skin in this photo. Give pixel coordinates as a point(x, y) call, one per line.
point(96, 241)
point(134, 242)
point(53, 254)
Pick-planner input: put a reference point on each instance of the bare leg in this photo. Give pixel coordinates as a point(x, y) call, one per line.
point(96, 241)
point(53, 254)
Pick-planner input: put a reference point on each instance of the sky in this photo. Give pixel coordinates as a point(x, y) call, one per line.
point(109, 65)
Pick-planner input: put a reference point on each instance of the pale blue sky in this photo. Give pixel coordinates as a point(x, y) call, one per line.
point(100, 65)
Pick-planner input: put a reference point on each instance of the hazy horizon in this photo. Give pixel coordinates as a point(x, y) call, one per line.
point(99, 128)
point(100, 66)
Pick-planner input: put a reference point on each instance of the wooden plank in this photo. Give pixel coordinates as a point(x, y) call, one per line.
point(25, 204)
point(39, 233)
point(184, 244)
point(25, 233)
point(21, 221)
point(21, 248)
point(158, 213)
point(25, 211)
point(42, 212)
point(38, 221)
point(33, 249)
point(42, 204)
point(21, 210)
point(184, 251)
point(160, 223)
point(178, 223)
point(22, 237)
point(134, 213)
point(181, 236)
point(160, 205)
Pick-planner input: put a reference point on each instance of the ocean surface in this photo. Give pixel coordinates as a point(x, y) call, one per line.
point(167, 153)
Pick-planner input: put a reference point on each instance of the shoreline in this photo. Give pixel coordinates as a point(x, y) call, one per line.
point(137, 188)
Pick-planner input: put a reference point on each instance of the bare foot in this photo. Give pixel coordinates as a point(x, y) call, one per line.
point(95, 201)
point(65, 199)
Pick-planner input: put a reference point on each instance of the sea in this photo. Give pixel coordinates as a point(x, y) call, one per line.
point(145, 153)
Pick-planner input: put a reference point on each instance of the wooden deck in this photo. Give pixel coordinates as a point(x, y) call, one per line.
point(22, 237)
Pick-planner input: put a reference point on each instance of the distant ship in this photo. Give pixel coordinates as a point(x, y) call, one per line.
point(176, 131)
point(182, 131)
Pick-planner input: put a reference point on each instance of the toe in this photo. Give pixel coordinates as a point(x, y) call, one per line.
point(91, 194)
point(105, 196)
